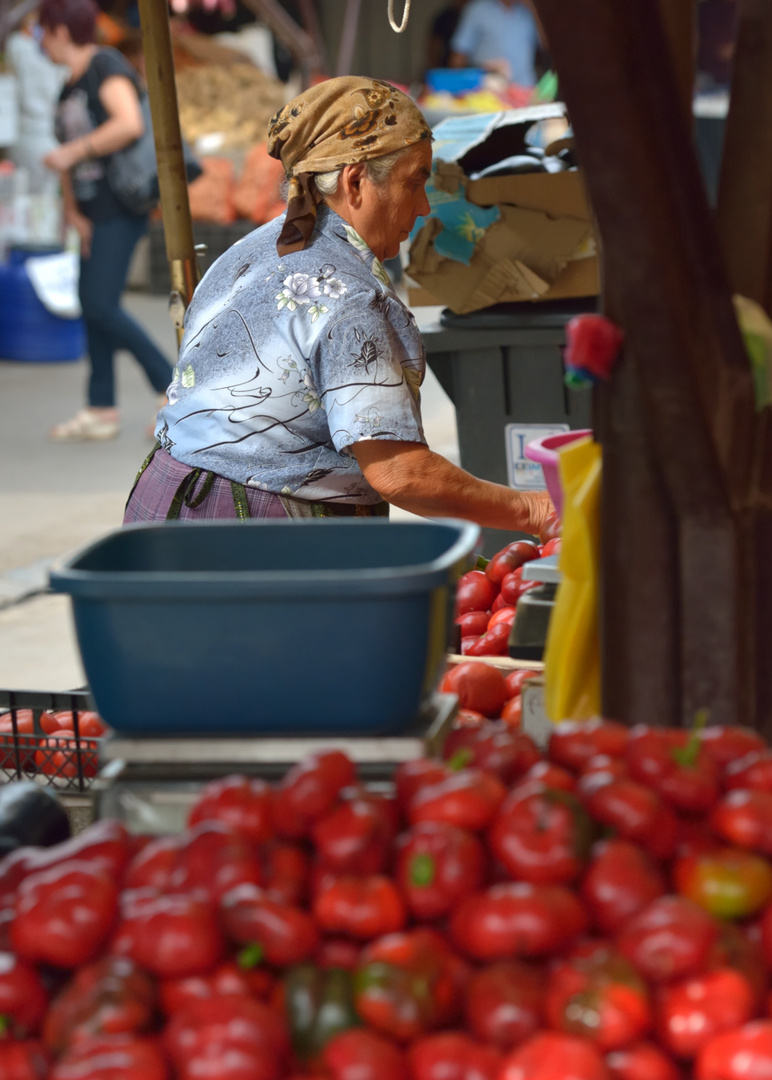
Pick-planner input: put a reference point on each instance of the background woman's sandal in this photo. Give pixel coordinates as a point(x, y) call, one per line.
point(86, 426)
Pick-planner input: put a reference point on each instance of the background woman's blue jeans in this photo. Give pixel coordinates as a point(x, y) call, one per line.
point(108, 327)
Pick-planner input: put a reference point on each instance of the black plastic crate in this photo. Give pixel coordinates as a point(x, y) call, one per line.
point(218, 238)
point(27, 750)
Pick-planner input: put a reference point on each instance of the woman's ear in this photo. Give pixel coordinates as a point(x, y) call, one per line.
point(351, 179)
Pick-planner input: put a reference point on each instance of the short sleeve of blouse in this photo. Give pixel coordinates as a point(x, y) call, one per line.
point(369, 363)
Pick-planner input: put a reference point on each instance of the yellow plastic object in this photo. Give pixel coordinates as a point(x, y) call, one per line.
point(756, 330)
point(572, 654)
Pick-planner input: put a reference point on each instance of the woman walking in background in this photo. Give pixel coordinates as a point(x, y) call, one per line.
point(98, 114)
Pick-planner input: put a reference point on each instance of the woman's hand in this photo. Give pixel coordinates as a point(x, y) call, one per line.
point(538, 506)
point(62, 158)
point(83, 226)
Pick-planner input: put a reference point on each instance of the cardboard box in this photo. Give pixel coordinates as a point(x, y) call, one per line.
point(501, 238)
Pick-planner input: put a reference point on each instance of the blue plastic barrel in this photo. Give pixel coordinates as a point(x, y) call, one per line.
point(28, 330)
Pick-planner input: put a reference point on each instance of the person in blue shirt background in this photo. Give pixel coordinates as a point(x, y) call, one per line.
point(502, 36)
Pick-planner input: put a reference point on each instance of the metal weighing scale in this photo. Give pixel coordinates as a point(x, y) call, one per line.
point(149, 783)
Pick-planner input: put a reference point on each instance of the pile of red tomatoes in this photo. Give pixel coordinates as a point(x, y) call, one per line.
point(597, 909)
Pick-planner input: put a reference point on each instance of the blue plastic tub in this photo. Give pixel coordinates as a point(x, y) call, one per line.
point(321, 626)
point(28, 331)
point(454, 80)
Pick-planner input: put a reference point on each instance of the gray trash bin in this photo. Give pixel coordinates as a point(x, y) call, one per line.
point(504, 365)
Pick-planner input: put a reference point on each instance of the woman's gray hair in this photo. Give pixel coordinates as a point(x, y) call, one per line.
point(378, 170)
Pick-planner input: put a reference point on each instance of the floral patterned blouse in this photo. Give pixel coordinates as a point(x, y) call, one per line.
point(287, 362)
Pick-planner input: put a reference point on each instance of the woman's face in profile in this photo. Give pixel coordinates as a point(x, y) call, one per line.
point(390, 209)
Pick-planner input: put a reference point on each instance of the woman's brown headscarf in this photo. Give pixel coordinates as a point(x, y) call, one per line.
point(339, 122)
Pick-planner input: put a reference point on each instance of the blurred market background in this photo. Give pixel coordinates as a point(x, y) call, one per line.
point(236, 62)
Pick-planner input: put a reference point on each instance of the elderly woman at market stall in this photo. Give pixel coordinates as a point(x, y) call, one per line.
point(296, 392)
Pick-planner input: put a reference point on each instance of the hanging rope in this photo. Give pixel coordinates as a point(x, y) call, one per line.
point(405, 17)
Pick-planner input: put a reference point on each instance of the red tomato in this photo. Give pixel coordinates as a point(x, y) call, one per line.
point(552, 547)
point(744, 817)
point(742, 1054)
point(504, 1003)
point(23, 739)
point(477, 685)
point(451, 1055)
point(730, 883)
point(61, 754)
point(727, 743)
point(515, 680)
point(670, 939)
point(693, 1011)
point(513, 712)
point(509, 558)
point(599, 995)
point(620, 881)
point(474, 592)
point(469, 641)
point(551, 1055)
point(359, 1054)
point(494, 642)
point(505, 615)
point(641, 1061)
point(544, 838)
point(573, 743)
point(753, 770)
point(550, 529)
point(473, 623)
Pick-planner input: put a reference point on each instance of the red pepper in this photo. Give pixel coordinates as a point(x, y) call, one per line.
point(544, 838)
point(637, 813)
point(675, 764)
point(550, 1055)
point(742, 1054)
point(727, 743)
point(64, 914)
point(279, 933)
point(309, 789)
point(172, 936)
point(119, 1057)
point(356, 835)
point(24, 1060)
point(469, 798)
point(23, 997)
point(517, 919)
point(691, 1012)
point(494, 747)
point(670, 939)
point(753, 770)
point(362, 907)
point(494, 642)
point(151, 867)
point(109, 997)
point(227, 1039)
point(286, 871)
point(214, 858)
point(573, 743)
point(504, 1003)
point(598, 994)
point(729, 882)
point(411, 776)
point(408, 983)
point(641, 1061)
point(620, 881)
point(438, 864)
point(452, 1055)
point(744, 817)
point(359, 1054)
point(230, 979)
point(106, 843)
point(242, 802)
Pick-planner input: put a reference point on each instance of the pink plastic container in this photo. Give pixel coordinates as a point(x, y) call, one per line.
point(545, 453)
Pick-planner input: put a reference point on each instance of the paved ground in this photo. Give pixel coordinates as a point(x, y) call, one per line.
point(54, 498)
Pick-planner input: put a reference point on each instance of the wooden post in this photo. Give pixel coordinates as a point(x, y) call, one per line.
point(663, 262)
point(172, 180)
point(744, 212)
